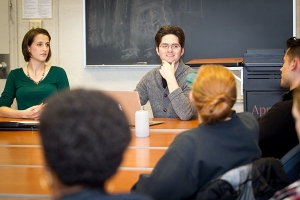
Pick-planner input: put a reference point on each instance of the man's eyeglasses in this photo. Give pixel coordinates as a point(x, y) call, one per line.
point(167, 46)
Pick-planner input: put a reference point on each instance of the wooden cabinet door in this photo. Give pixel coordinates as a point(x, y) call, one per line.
point(4, 27)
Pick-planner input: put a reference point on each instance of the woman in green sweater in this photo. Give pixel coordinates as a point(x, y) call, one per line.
point(36, 81)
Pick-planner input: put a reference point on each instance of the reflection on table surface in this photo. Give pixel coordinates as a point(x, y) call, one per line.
point(21, 159)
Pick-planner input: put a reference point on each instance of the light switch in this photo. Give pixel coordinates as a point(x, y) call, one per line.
point(35, 24)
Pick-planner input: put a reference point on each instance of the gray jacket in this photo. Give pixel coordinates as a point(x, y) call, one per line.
point(163, 104)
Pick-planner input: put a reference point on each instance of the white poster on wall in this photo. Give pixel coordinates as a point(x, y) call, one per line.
point(37, 9)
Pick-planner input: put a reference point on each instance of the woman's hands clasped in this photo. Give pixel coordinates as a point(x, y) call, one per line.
point(34, 111)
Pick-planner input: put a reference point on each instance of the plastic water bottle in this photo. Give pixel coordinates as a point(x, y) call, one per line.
point(142, 123)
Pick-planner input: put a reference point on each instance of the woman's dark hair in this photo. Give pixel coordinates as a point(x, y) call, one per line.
point(28, 39)
point(84, 135)
point(166, 30)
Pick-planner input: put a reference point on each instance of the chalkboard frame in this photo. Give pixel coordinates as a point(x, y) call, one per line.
point(126, 65)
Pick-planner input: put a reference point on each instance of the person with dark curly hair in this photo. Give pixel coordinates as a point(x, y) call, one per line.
point(165, 86)
point(84, 135)
point(223, 140)
point(31, 84)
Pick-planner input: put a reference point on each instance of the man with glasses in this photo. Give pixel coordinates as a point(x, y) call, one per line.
point(165, 87)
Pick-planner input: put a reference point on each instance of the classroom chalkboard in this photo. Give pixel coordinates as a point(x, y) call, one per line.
point(121, 32)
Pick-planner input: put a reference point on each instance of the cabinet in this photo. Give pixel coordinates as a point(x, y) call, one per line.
point(5, 6)
point(4, 27)
point(261, 80)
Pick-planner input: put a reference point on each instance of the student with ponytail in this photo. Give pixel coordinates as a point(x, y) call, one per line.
point(222, 141)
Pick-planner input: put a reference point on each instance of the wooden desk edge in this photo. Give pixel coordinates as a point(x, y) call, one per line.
point(236, 61)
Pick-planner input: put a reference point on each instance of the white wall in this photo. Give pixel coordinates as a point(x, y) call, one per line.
point(66, 30)
point(297, 16)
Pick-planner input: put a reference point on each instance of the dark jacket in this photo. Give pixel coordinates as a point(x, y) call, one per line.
point(277, 133)
point(96, 194)
point(199, 155)
point(258, 180)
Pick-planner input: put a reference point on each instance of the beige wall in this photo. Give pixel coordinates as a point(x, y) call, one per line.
point(297, 18)
point(66, 29)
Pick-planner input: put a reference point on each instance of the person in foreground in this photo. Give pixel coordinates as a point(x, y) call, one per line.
point(33, 83)
point(165, 87)
point(84, 135)
point(223, 140)
point(292, 191)
point(277, 127)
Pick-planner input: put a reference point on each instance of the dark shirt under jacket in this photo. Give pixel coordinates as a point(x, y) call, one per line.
point(277, 133)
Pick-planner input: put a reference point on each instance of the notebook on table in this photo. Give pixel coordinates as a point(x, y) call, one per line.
point(129, 103)
point(19, 125)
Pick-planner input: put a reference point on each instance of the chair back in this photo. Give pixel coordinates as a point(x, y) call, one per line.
point(291, 163)
point(257, 180)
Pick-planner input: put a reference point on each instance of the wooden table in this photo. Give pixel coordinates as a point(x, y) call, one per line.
point(21, 159)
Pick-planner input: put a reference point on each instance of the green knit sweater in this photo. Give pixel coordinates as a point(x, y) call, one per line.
point(28, 93)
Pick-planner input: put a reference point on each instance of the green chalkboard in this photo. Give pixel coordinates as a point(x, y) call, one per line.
point(121, 32)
